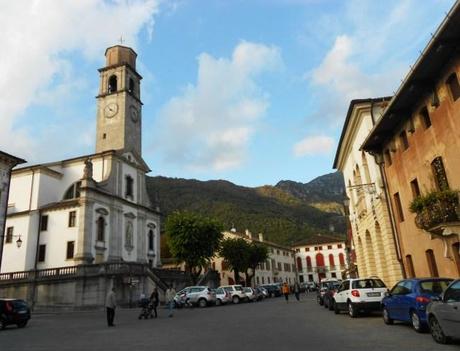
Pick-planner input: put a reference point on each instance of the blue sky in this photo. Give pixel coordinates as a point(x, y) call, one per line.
point(251, 91)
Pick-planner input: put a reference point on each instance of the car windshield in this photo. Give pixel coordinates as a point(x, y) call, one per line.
point(239, 288)
point(228, 288)
point(367, 284)
point(247, 290)
point(19, 304)
point(434, 286)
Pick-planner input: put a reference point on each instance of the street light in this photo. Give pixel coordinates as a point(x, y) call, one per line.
point(19, 242)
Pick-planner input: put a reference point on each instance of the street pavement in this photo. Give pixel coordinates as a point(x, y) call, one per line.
point(268, 325)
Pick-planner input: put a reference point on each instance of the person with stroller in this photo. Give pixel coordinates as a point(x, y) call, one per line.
point(154, 301)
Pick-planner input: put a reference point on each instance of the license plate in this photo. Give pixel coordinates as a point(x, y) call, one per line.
point(373, 294)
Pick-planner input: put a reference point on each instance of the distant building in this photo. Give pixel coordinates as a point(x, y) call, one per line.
point(417, 141)
point(7, 162)
point(320, 257)
point(374, 238)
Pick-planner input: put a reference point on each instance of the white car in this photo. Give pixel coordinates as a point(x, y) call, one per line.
point(223, 297)
point(236, 292)
point(250, 293)
point(196, 296)
point(443, 314)
point(360, 294)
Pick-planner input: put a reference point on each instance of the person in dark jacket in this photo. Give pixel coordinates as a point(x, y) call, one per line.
point(297, 290)
point(155, 300)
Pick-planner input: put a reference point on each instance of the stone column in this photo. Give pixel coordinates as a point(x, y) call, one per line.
point(141, 247)
point(85, 230)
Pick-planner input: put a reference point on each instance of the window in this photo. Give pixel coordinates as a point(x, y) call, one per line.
point(410, 267)
point(73, 191)
point(320, 247)
point(404, 140)
point(333, 275)
point(70, 249)
point(431, 260)
point(316, 248)
point(415, 188)
point(453, 293)
point(224, 266)
point(329, 247)
point(453, 85)
point(299, 263)
point(150, 240)
point(425, 117)
point(41, 253)
point(307, 249)
point(439, 173)
point(308, 261)
point(342, 259)
point(331, 260)
point(72, 218)
point(320, 260)
point(279, 266)
point(339, 246)
point(9, 235)
point(398, 206)
point(267, 265)
point(112, 84)
point(131, 86)
point(100, 224)
point(44, 223)
point(387, 157)
point(129, 186)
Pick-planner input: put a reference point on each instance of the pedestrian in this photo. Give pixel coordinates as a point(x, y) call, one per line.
point(286, 291)
point(170, 294)
point(154, 300)
point(110, 305)
point(297, 290)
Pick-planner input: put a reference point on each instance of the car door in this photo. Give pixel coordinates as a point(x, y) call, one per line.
point(448, 312)
point(341, 295)
point(397, 294)
point(407, 300)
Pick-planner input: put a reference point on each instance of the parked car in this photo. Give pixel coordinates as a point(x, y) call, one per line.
point(263, 291)
point(222, 297)
point(356, 295)
point(408, 299)
point(322, 288)
point(309, 286)
point(252, 294)
point(273, 290)
point(328, 296)
point(201, 296)
point(236, 292)
point(14, 311)
point(443, 314)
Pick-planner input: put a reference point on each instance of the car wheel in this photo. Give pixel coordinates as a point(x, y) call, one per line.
point(218, 302)
point(352, 310)
point(386, 316)
point(22, 324)
point(437, 333)
point(416, 323)
point(202, 303)
point(235, 300)
point(336, 307)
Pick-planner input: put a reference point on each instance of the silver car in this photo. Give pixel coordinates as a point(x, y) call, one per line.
point(443, 314)
point(223, 297)
point(236, 292)
point(197, 296)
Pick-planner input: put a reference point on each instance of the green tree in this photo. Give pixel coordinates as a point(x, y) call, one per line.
point(235, 253)
point(257, 254)
point(193, 239)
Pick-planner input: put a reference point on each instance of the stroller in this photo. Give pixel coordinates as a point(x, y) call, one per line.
point(146, 308)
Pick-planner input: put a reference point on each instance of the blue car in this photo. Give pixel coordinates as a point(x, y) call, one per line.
point(408, 299)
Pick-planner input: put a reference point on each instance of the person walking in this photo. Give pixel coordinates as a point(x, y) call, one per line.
point(297, 290)
point(110, 305)
point(170, 294)
point(154, 300)
point(285, 291)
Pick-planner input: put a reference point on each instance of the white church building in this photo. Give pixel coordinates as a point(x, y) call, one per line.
point(93, 208)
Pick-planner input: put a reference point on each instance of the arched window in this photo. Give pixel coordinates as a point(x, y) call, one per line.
point(342, 259)
point(100, 224)
point(308, 261)
point(150, 237)
point(410, 267)
point(129, 191)
point(331, 260)
point(432, 263)
point(299, 263)
point(131, 86)
point(112, 84)
point(439, 173)
point(73, 191)
point(319, 260)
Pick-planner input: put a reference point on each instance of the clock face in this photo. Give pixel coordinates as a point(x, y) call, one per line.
point(134, 114)
point(110, 110)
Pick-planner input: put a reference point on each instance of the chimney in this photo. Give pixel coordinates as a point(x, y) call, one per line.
point(261, 237)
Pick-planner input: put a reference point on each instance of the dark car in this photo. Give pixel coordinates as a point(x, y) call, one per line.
point(323, 287)
point(328, 296)
point(408, 299)
point(14, 311)
point(273, 290)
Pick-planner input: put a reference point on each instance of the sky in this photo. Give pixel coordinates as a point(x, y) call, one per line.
point(251, 91)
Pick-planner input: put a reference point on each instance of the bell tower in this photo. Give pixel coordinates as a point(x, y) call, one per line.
point(118, 103)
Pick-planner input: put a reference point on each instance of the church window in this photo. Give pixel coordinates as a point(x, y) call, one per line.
point(100, 229)
point(129, 186)
point(454, 86)
point(41, 253)
point(73, 191)
point(131, 86)
point(151, 237)
point(70, 249)
point(112, 84)
point(72, 218)
point(9, 235)
point(44, 223)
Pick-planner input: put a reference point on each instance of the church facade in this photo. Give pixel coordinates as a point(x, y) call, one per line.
point(93, 208)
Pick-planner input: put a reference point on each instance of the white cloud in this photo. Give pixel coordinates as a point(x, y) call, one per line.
point(37, 38)
point(314, 146)
point(210, 125)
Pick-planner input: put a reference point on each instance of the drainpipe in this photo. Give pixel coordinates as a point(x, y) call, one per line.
point(394, 230)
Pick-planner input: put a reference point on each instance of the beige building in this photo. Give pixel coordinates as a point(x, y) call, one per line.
point(374, 239)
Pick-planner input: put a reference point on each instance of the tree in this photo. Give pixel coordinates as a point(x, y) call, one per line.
point(236, 253)
point(257, 254)
point(193, 239)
